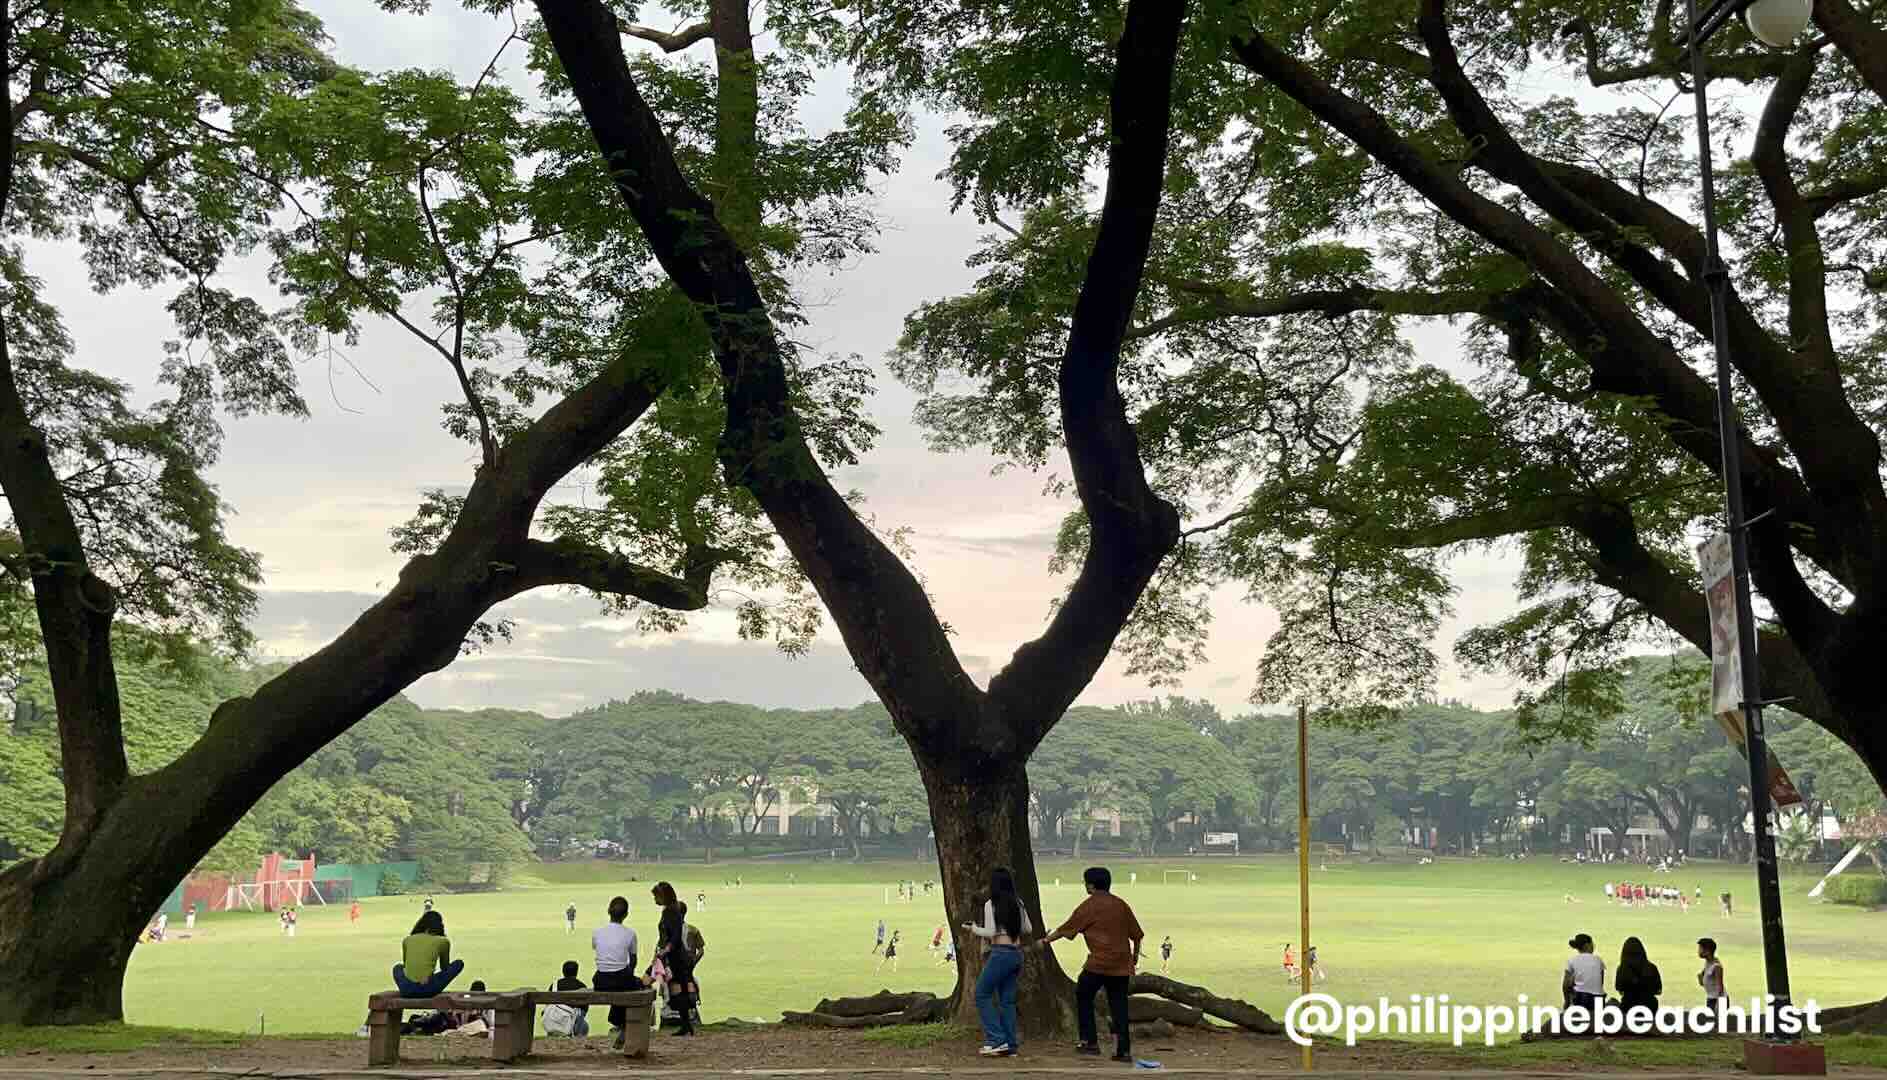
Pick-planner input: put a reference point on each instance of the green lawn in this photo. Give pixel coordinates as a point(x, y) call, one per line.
point(1480, 931)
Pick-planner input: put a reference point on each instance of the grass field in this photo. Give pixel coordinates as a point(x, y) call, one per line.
point(1480, 931)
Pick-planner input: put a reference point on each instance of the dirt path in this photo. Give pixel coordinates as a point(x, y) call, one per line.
point(785, 1052)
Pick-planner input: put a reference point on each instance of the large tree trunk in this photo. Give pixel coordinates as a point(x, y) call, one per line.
point(970, 744)
point(982, 822)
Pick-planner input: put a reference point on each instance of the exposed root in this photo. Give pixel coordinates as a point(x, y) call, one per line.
point(1231, 1010)
point(883, 1009)
point(1869, 1018)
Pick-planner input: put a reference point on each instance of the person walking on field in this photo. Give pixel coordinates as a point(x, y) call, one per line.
point(891, 952)
point(570, 916)
point(615, 946)
point(353, 913)
point(880, 943)
point(672, 949)
point(1166, 954)
point(1113, 938)
point(1005, 926)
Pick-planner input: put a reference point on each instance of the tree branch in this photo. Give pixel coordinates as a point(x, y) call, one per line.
point(1219, 304)
point(1858, 39)
point(1130, 528)
point(669, 42)
point(1809, 405)
point(74, 606)
point(565, 562)
point(1807, 269)
point(1620, 561)
point(881, 609)
point(1668, 61)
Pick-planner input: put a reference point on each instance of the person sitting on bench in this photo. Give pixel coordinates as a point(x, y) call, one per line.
point(424, 949)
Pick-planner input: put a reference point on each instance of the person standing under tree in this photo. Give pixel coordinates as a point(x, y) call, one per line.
point(615, 946)
point(1113, 938)
point(1005, 926)
point(672, 949)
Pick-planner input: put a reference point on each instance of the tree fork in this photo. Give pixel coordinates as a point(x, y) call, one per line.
point(970, 746)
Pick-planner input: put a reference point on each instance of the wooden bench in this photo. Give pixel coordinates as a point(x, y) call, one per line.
point(514, 1018)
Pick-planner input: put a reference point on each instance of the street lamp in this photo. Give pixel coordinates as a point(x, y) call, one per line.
point(1775, 23)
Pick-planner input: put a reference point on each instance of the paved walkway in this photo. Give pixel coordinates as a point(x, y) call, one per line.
point(967, 1072)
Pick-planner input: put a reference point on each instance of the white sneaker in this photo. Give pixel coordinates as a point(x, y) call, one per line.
point(363, 1032)
point(994, 1051)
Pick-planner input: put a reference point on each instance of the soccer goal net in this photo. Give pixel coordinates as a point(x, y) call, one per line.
point(1184, 877)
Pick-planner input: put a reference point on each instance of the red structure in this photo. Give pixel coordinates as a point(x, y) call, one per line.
point(207, 893)
point(285, 882)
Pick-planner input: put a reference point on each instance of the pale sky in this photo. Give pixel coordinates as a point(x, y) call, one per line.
point(317, 497)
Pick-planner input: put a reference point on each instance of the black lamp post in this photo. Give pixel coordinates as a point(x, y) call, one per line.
point(1774, 23)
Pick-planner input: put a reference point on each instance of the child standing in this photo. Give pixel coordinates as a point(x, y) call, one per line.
point(1711, 977)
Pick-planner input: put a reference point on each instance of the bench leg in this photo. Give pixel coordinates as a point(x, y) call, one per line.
point(510, 1040)
point(383, 1038)
point(635, 1042)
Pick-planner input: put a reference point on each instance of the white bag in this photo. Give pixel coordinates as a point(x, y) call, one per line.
point(560, 1019)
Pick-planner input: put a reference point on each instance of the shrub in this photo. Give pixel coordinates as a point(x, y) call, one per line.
point(391, 884)
point(1862, 890)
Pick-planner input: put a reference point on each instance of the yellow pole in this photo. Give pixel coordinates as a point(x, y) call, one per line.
point(1303, 854)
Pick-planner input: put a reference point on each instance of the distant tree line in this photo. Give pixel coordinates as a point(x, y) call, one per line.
point(660, 775)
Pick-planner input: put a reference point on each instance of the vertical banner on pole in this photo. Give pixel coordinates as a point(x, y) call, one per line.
point(1303, 854)
point(1726, 667)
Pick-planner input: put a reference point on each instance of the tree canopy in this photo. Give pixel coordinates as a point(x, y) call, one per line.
point(1429, 281)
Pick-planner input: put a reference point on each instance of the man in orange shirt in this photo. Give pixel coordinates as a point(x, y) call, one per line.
point(1113, 938)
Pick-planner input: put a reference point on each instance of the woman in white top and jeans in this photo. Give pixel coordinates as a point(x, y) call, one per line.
point(1005, 924)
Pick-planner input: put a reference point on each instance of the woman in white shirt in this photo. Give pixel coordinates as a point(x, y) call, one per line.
point(1584, 981)
point(1005, 924)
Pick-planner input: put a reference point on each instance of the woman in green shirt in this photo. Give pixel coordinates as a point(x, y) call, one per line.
point(424, 949)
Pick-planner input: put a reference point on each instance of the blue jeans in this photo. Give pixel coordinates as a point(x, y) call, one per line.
point(996, 996)
point(435, 983)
